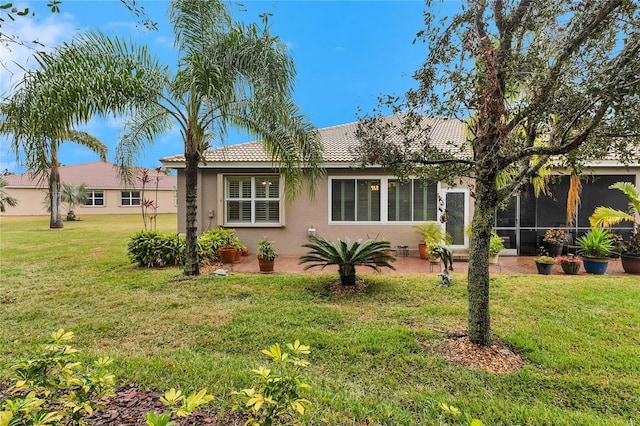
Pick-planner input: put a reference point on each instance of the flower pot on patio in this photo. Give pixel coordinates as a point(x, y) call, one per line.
point(555, 250)
point(422, 249)
point(227, 254)
point(570, 268)
point(266, 265)
point(595, 265)
point(630, 264)
point(544, 268)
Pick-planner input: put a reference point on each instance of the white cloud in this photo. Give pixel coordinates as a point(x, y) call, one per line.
point(41, 34)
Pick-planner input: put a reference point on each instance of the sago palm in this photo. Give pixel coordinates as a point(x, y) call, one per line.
point(347, 255)
point(228, 74)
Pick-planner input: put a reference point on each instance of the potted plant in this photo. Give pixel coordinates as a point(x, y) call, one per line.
point(430, 233)
point(433, 252)
point(606, 216)
point(496, 245)
point(555, 240)
point(595, 247)
point(630, 254)
point(267, 254)
point(544, 262)
point(228, 251)
point(570, 264)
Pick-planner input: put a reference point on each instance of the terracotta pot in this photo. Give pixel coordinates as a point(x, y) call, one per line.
point(422, 249)
point(227, 254)
point(631, 264)
point(245, 252)
point(237, 257)
point(266, 265)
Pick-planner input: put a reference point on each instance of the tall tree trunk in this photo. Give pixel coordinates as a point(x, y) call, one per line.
point(191, 264)
point(55, 197)
point(479, 321)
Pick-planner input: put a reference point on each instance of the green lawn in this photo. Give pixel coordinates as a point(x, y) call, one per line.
point(371, 362)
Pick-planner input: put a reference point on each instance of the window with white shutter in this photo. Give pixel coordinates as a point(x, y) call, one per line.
point(252, 199)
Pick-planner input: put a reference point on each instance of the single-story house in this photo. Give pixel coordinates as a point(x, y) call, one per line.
point(107, 193)
point(238, 187)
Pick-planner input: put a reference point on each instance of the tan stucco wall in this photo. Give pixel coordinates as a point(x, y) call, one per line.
point(31, 202)
point(299, 216)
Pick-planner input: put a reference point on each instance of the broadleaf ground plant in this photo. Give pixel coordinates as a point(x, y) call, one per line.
point(276, 395)
point(53, 387)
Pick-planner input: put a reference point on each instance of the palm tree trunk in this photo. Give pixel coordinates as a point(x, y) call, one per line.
point(191, 264)
point(55, 219)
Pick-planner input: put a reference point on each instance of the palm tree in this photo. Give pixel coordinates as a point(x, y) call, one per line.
point(347, 255)
point(72, 195)
point(34, 137)
point(5, 199)
point(228, 74)
point(607, 216)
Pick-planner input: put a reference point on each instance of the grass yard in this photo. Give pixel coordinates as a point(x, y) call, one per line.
point(373, 360)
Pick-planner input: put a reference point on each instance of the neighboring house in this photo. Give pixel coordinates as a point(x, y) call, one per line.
point(238, 187)
point(107, 193)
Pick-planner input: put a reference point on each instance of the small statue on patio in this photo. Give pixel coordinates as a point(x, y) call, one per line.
point(446, 256)
point(446, 279)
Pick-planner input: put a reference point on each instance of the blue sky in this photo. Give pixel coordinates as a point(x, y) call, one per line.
point(346, 53)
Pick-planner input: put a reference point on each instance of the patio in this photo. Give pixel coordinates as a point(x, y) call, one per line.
point(415, 265)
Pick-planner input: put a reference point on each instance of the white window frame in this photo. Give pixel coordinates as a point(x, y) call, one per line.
point(130, 197)
point(92, 197)
point(384, 200)
point(253, 199)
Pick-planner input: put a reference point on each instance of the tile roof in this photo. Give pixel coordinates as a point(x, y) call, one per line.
point(97, 174)
point(338, 141)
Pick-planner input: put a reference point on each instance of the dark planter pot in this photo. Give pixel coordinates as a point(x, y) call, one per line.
point(266, 265)
point(227, 254)
point(555, 250)
point(544, 268)
point(631, 264)
point(595, 265)
point(570, 268)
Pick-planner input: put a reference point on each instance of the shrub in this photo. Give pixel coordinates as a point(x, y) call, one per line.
point(52, 387)
point(153, 249)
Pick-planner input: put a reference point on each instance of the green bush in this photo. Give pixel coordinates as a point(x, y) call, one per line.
point(53, 387)
point(153, 249)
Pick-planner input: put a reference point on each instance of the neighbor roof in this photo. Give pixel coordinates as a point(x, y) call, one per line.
point(95, 175)
point(337, 141)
